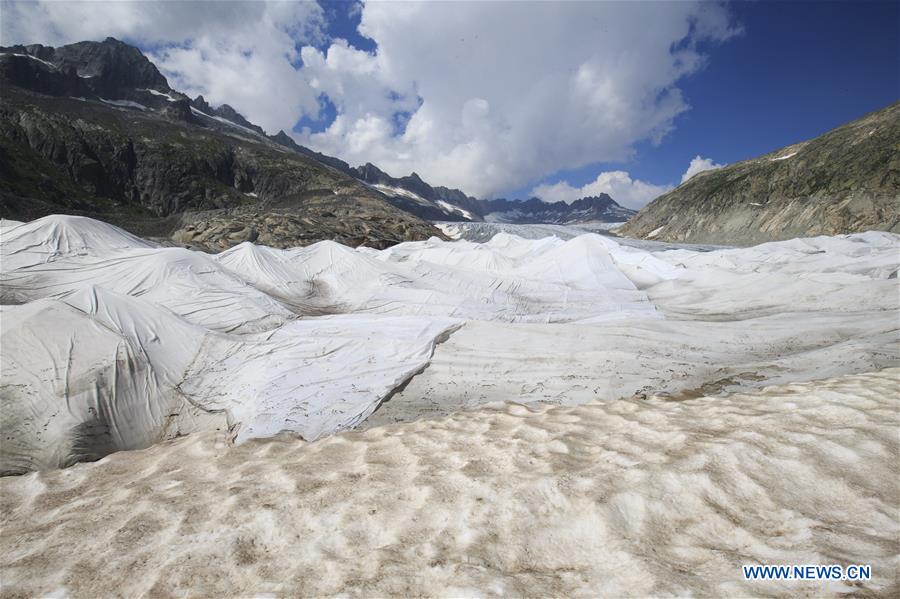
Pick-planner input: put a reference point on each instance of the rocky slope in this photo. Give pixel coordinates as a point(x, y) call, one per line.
point(437, 203)
point(844, 181)
point(410, 194)
point(413, 194)
point(94, 129)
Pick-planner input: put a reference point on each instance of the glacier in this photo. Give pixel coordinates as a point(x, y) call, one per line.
point(111, 342)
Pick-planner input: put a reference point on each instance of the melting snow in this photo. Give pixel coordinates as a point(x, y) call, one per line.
point(225, 121)
point(164, 95)
point(124, 104)
point(451, 209)
point(400, 192)
point(51, 65)
point(785, 157)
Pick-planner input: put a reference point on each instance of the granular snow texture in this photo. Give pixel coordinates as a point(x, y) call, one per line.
point(625, 498)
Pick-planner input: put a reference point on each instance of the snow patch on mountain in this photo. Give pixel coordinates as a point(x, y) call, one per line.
point(225, 121)
point(169, 97)
point(44, 62)
point(399, 192)
point(785, 157)
point(124, 104)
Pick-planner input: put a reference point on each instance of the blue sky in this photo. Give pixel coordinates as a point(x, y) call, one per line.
point(507, 99)
point(798, 70)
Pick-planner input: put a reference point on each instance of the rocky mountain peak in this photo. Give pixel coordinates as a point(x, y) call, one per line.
point(283, 138)
point(110, 69)
point(228, 113)
point(371, 174)
point(588, 202)
point(202, 105)
point(113, 63)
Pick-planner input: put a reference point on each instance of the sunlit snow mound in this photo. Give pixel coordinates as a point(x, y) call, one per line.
point(629, 498)
point(109, 342)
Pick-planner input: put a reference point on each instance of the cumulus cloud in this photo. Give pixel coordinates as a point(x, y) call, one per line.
point(698, 165)
point(481, 96)
point(508, 95)
point(631, 193)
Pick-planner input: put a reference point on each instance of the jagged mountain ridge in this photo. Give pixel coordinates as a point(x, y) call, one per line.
point(93, 128)
point(438, 203)
point(461, 207)
point(601, 208)
point(199, 104)
point(409, 193)
point(120, 75)
point(846, 180)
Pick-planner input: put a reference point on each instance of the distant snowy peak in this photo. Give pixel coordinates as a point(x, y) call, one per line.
point(440, 203)
point(600, 208)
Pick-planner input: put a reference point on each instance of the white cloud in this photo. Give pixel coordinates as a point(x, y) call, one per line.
point(499, 94)
point(631, 193)
point(510, 94)
point(55, 23)
point(698, 165)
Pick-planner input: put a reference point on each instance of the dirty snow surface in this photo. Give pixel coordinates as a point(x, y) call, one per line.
point(547, 412)
point(638, 497)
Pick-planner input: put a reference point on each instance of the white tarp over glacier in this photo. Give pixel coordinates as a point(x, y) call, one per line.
point(111, 342)
point(96, 372)
point(509, 279)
